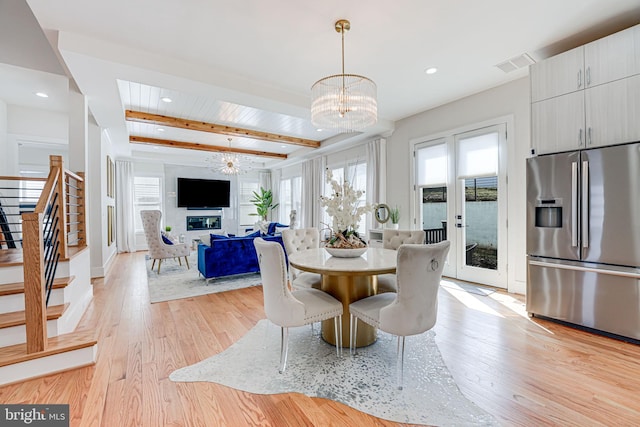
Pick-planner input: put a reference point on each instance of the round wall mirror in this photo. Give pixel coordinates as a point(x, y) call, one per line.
point(382, 213)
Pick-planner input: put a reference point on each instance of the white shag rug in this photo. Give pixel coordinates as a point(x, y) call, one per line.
point(366, 382)
point(175, 281)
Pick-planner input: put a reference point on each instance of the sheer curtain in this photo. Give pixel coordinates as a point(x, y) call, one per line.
point(125, 221)
point(312, 183)
point(376, 177)
point(275, 190)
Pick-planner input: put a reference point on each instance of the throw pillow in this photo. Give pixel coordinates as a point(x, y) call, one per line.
point(166, 240)
point(218, 237)
point(254, 234)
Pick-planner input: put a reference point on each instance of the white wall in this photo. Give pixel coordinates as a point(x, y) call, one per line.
point(511, 99)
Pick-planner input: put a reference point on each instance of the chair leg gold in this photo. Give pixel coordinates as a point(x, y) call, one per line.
point(153, 264)
point(159, 264)
point(180, 261)
point(187, 261)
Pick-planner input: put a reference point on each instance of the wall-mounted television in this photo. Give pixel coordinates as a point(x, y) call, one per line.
point(203, 193)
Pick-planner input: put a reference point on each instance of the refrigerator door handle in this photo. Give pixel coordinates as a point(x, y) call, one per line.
point(574, 204)
point(585, 204)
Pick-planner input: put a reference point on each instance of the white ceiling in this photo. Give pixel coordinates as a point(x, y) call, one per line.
point(251, 64)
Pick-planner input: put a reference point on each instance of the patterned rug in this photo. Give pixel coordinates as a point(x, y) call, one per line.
point(366, 382)
point(175, 281)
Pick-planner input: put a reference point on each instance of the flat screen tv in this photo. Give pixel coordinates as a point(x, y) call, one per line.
point(203, 193)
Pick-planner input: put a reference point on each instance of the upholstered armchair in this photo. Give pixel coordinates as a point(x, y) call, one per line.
point(158, 249)
point(411, 310)
point(392, 239)
point(300, 240)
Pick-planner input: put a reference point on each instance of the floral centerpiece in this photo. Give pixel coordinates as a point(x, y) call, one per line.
point(343, 208)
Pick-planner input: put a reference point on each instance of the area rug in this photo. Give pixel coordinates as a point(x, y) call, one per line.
point(366, 382)
point(466, 287)
point(176, 282)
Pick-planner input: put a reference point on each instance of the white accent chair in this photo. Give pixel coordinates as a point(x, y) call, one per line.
point(414, 308)
point(290, 309)
point(300, 240)
point(392, 239)
point(159, 250)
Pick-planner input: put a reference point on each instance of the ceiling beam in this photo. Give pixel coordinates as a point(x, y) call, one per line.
point(157, 119)
point(202, 147)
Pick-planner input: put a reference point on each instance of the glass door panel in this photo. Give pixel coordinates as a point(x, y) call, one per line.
point(481, 222)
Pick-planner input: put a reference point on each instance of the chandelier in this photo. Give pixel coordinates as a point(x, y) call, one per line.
point(228, 162)
point(344, 102)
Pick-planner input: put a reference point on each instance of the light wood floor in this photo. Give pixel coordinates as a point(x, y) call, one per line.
point(524, 371)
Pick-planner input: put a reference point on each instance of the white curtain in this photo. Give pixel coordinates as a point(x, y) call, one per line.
point(376, 177)
point(312, 183)
point(275, 190)
point(125, 223)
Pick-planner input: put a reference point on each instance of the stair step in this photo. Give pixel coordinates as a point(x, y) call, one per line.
point(17, 318)
point(10, 257)
point(56, 345)
point(18, 287)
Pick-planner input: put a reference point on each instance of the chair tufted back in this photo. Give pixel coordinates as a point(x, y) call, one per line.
point(392, 239)
point(157, 248)
point(416, 306)
point(300, 240)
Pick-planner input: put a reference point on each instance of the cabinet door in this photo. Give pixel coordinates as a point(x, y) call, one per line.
point(557, 124)
point(613, 112)
point(612, 58)
point(558, 75)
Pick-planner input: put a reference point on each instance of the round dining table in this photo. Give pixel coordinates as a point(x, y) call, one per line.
point(347, 280)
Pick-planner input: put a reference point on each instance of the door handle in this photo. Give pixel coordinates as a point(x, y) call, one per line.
point(574, 204)
point(585, 204)
point(579, 79)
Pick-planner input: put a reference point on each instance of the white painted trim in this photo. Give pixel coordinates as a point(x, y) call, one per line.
point(42, 366)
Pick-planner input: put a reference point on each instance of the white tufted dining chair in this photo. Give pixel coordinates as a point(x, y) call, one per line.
point(159, 250)
point(413, 309)
point(290, 309)
point(300, 240)
point(392, 239)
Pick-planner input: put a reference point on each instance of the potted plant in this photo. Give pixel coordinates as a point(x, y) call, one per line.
point(394, 216)
point(263, 202)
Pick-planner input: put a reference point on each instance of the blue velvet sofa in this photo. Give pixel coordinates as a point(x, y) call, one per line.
point(231, 255)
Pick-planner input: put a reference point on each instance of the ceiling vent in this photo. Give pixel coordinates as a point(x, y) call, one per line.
point(515, 63)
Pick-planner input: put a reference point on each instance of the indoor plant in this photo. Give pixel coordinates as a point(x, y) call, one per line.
point(342, 207)
point(394, 216)
point(263, 202)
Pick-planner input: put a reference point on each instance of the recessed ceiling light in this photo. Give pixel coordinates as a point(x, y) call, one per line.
point(283, 146)
point(160, 129)
point(166, 99)
point(431, 70)
point(42, 95)
point(319, 130)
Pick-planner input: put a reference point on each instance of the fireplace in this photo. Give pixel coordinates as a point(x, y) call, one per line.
point(210, 222)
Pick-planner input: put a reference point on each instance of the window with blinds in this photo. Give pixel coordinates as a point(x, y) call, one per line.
point(147, 196)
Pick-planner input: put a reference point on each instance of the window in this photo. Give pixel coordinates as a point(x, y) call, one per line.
point(246, 209)
point(356, 175)
point(147, 193)
point(290, 198)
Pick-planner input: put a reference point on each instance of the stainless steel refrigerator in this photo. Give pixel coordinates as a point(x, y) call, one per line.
point(583, 238)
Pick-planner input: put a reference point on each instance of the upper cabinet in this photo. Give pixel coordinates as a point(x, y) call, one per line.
point(558, 75)
point(588, 96)
point(612, 58)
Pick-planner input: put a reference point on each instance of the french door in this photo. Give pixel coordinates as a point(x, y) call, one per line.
point(460, 183)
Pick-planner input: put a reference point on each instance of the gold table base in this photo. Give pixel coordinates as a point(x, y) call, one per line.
point(348, 289)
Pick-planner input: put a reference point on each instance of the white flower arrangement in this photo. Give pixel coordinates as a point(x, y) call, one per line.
point(342, 207)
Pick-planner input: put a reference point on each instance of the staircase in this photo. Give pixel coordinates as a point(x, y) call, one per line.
point(45, 281)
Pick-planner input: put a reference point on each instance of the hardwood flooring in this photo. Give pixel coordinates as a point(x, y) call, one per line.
point(526, 372)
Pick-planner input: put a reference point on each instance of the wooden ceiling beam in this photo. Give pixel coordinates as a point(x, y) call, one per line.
point(202, 147)
point(157, 119)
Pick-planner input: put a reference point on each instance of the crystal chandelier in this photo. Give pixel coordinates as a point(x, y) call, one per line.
point(228, 162)
point(344, 102)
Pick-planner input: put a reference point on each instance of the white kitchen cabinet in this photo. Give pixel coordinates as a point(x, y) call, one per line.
point(558, 75)
point(612, 58)
point(613, 112)
point(557, 124)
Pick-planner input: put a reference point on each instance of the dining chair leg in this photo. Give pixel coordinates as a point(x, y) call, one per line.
point(337, 328)
point(284, 348)
point(353, 331)
point(153, 264)
point(400, 367)
point(187, 261)
point(159, 264)
point(179, 261)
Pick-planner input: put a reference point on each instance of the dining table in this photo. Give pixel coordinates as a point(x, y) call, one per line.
point(347, 280)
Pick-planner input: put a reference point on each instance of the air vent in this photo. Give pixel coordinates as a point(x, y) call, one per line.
point(515, 63)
